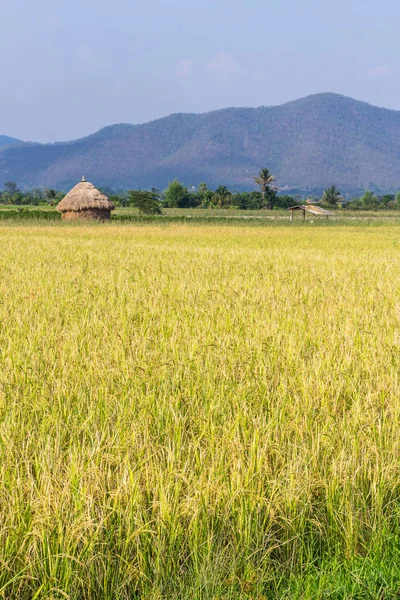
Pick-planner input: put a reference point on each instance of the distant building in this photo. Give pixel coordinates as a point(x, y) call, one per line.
point(310, 208)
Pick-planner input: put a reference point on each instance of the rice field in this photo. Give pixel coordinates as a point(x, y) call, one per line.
point(199, 412)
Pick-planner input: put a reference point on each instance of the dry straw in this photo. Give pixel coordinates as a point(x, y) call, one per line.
point(85, 201)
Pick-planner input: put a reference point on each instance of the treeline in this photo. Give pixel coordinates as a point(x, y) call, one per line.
point(11, 194)
point(368, 201)
point(371, 201)
point(177, 195)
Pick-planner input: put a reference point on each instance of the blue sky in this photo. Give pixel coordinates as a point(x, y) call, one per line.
point(68, 68)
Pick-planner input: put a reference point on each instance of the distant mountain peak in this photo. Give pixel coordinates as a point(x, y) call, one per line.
point(307, 143)
point(8, 141)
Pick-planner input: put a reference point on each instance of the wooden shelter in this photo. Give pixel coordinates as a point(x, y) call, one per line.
point(85, 201)
point(312, 209)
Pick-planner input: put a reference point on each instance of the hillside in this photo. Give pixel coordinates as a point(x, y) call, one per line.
point(8, 141)
point(312, 142)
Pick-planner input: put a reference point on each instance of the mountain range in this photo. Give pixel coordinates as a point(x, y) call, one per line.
point(8, 141)
point(309, 143)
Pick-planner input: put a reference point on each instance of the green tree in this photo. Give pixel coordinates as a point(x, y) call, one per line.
point(387, 200)
point(222, 197)
point(202, 189)
point(11, 188)
point(204, 196)
point(331, 196)
point(118, 200)
point(37, 196)
point(265, 179)
point(247, 200)
point(18, 198)
point(148, 203)
point(51, 196)
point(285, 201)
point(177, 195)
point(369, 200)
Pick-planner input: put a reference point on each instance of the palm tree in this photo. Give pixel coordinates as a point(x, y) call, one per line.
point(51, 196)
point(222, 197)
point(332, 195)
point(264, 180)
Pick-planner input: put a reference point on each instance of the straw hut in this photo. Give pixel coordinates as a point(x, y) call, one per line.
point(85, 201)
point(310, 208)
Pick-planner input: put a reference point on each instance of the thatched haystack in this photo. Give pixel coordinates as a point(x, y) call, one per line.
point(85, 201)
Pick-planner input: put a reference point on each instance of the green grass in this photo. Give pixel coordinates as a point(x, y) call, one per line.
point(204, 216)
point(199, 412)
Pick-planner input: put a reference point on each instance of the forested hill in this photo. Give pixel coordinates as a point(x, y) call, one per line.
point(313, 142)
point(8, 141)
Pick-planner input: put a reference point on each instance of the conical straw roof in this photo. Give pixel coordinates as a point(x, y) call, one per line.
point(84, 196)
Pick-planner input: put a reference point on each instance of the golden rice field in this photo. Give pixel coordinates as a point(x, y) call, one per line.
point(199, 412)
